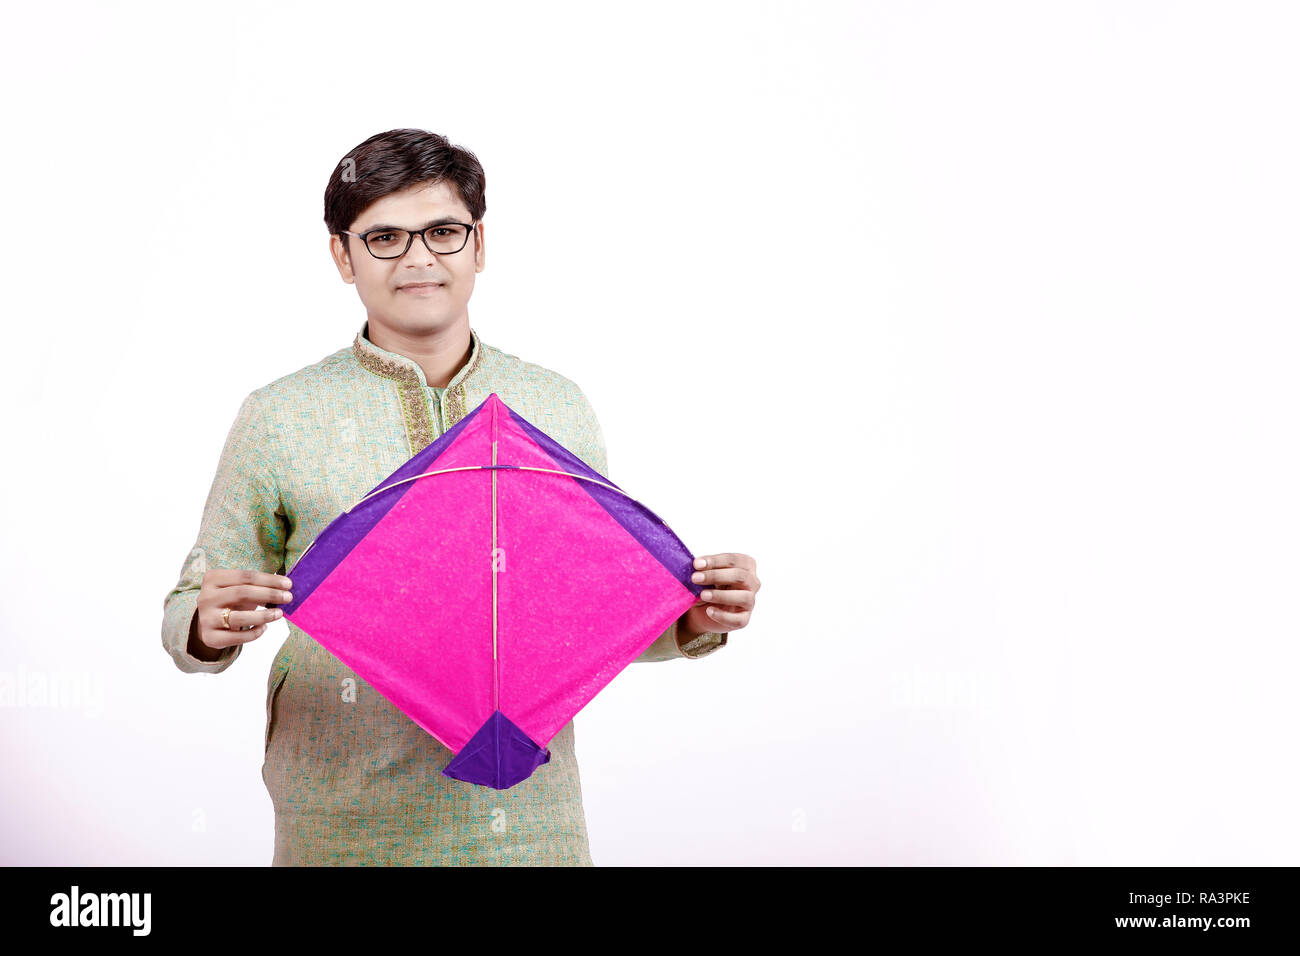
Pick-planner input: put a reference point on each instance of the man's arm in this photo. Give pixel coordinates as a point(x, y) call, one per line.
point(675, 642)
point(243, 526)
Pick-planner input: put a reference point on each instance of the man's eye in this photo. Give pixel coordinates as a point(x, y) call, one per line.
point(383, 236)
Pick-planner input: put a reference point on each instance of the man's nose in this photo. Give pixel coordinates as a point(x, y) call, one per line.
point(419, 250)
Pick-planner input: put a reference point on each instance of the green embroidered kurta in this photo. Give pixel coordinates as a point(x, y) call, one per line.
point(352, 779)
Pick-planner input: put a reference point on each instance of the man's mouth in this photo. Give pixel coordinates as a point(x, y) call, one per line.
point(420, 288)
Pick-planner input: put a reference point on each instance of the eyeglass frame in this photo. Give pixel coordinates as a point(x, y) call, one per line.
point(410, 237)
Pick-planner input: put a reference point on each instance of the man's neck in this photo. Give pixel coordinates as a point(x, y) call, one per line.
point(441, 354)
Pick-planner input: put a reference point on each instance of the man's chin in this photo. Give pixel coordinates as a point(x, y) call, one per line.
point(417, 322)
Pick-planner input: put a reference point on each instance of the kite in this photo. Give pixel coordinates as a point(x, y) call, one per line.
point(490, 587)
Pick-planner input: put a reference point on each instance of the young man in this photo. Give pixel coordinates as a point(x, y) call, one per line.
point(352, 779)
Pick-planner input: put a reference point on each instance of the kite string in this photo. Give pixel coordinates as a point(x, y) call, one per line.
point(495, 467)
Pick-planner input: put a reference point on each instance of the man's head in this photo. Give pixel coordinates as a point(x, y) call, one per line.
point(407, 179)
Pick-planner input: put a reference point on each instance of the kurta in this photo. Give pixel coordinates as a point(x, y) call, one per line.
point(352, 779)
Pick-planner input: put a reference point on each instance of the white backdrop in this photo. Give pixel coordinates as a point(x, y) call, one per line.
point(973, 323)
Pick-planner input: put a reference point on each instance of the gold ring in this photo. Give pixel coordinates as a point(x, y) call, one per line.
point(225, 618)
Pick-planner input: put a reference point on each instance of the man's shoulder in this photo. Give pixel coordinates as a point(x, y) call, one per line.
point(309, 382)
point(531, 378)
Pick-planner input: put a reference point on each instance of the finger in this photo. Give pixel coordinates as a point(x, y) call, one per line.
point(242, 620)
point(247, 596)
point(243, 637)
point(226, 577)
point(742, 599)
point(210, 625)
point(727, 559)
point(734, 618)
point(739, 576)
point(236, 636)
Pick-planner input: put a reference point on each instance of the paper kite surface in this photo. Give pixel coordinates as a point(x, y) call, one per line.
point(490, 588)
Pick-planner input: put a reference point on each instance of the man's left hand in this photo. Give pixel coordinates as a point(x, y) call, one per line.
point(727, 601)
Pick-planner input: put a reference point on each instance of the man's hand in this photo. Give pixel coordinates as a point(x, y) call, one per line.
point(245, 592)
point(727, 602)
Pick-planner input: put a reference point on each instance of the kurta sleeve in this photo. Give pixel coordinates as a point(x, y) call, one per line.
point(243, 526)
point(667, 647)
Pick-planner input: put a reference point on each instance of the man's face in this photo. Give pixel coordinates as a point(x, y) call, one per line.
point(380, 282)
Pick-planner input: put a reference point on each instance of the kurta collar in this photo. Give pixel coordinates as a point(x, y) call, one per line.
point(396, 366)
point(411, 386)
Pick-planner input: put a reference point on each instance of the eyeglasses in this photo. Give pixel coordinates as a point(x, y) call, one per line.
point(444, 239)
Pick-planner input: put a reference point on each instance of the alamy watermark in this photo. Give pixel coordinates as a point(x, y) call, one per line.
point(62, 690)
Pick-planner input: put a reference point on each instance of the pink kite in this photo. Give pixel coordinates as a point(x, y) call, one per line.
point(490, 588)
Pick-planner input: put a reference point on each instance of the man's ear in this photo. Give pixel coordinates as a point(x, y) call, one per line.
point(479, 255)
point(342, 260)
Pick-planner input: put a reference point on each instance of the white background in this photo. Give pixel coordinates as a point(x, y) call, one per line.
point(973, 323)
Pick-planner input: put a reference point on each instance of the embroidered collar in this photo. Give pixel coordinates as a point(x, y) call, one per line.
point(411, 385)
point(407, 370)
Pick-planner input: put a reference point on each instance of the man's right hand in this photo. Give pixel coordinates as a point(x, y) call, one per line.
point(246, 593)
